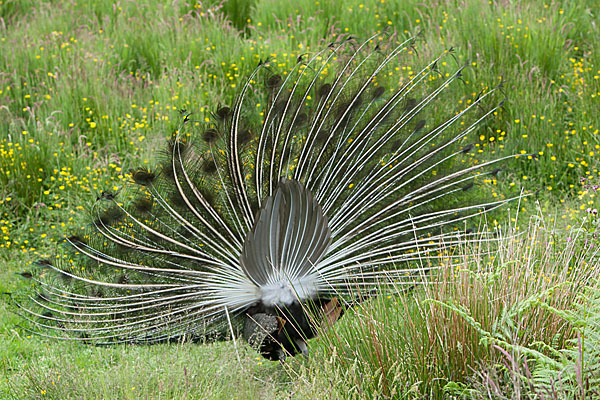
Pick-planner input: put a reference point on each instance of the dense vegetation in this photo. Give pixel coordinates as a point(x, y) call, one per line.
point(89, 90)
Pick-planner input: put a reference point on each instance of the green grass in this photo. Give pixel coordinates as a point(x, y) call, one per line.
point(90, 89)
point(423, 342)
point(50, 370)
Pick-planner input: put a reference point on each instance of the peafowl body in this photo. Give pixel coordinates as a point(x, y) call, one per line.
point(277, 215)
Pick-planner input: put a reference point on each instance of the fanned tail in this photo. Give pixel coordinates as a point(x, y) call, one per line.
point(333, 175)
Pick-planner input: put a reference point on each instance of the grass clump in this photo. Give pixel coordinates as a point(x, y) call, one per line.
point(427, 342)
point(570, 371)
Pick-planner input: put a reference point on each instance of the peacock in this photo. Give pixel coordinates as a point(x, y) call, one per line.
point(275, 212)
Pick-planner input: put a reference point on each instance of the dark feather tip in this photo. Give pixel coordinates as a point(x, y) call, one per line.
point(177, 200)
point(43, 263)
point(467, 148)
point(356, 102)
point(324, 90)
point(76, 241)
point(419, 125)
point(300, 119)
point(378, 92)
point(410, 104)
point(143, 205)
point(142, 176)
point(26, 275)
point(210, 135)
point(223, 113)
point(279, 106)
point(209, 166)
point(167, 171)
point(111, 215)
point(322, 136)
point(245, 136)
point(208, 196)
point(105, 195)
point(42, 297)
point(273, 81)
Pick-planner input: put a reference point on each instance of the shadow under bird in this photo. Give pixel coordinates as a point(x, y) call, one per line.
point(315, 186)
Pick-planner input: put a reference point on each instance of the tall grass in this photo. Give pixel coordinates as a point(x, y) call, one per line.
point(569, 372)
point(429, 341)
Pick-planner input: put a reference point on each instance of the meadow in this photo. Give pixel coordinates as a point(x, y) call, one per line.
point(90, 89)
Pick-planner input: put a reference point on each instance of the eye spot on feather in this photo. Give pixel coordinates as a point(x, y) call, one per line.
point(274, 81)
point(419, 125)
point(142, 176)
point(324, 90)
point(143, 205)
point(378, 92)
point(223, 113)
point(210, 135)
point(245, 137)
point(300, 120)
point(208, 166)
point(279, 106)
point(467, 148)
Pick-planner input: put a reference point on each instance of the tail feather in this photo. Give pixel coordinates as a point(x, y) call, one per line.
point(290, 237)
point(337, 174)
